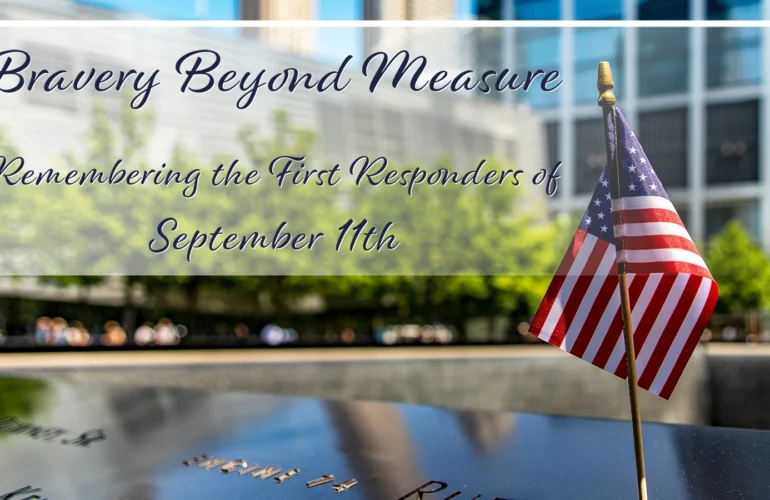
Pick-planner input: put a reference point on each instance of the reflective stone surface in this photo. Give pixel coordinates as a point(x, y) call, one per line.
point(61, 440)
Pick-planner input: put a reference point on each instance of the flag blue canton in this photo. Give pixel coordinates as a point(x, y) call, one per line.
point(637, 178)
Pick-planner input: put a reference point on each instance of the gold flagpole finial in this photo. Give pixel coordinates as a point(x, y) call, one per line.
point(605, 84)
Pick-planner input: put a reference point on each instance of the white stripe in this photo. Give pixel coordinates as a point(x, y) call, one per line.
point(619, 353)
point(587, 302)
point(664, 316)
point(566, 23)
point(566, 288)
point(642, 202)
point(661, 255)
point(650, 229)
point(682, 336)
point(604, 324)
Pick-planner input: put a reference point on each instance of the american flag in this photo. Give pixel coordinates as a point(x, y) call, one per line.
point(635, 227)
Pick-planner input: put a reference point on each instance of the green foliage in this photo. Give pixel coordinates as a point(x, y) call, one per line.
point(22, 398)
point(741, 270)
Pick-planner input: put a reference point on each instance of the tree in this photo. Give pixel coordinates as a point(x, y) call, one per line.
point(741, 270)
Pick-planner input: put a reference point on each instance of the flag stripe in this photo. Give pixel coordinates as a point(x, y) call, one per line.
point(618, 356)
point(653, 242)
point(661, 255)
point(671, 291)
point(663, 284)
point(667, 268)
point(590, 326)
point(646, 215)
point(692, 315)
point(554, 323)
point(650, 229)
point(664, 316)
point(634, 291)
point(589, 297)
point(692, 342)
point(642, 202)
point(677, 320)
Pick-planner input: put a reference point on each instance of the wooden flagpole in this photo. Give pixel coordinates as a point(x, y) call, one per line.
point(606, 85)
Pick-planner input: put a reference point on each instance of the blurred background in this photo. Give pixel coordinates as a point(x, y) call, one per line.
point(696, 97)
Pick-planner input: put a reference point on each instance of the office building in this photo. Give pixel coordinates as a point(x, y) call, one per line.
point(402, 10)
point(697, 98)
point(299, 40)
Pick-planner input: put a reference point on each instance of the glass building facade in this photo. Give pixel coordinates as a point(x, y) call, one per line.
point(696, 97)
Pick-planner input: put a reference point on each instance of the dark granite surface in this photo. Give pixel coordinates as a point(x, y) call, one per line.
point(83, 441)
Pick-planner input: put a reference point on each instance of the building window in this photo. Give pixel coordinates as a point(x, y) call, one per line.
point(489, 10)
point(552, 144)
point(591, 45)
point(598, 9)
point(747, 213)
point(537, 10)
point(734, 54)
point(663, 61)
point(732, 141)
point(590, 154)
point(538, 49)
point(663, 51)
point(664, 10)
point(663, 135)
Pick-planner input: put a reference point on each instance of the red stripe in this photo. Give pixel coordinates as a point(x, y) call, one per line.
point(648, 319)
point(684, 300)
point(656, 242)
point(691, 343)
point(594, 316)
point(642, 215)
point(574, 248)
point(556, 283)
point(667, 268)
point(616, 328)
point(582, 283)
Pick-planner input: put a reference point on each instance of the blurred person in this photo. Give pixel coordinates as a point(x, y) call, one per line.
point(729, 334)
point(114, 335)
point(348, 336)
point(77, 336)
point(43, 330)
point(241, 331)
point(166, 333)
point(144, 335)
point(59, 328)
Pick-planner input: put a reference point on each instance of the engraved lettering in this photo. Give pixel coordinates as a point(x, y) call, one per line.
point(456, 493)
point(287, 475)
point(266, 472)
point(420, 491)
point(196, 459)
point(232, 465)
point(212, 463)
point(326, 478)
point(340, 487)
point(23, 491)
point(89, 437)
point(248, 469)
